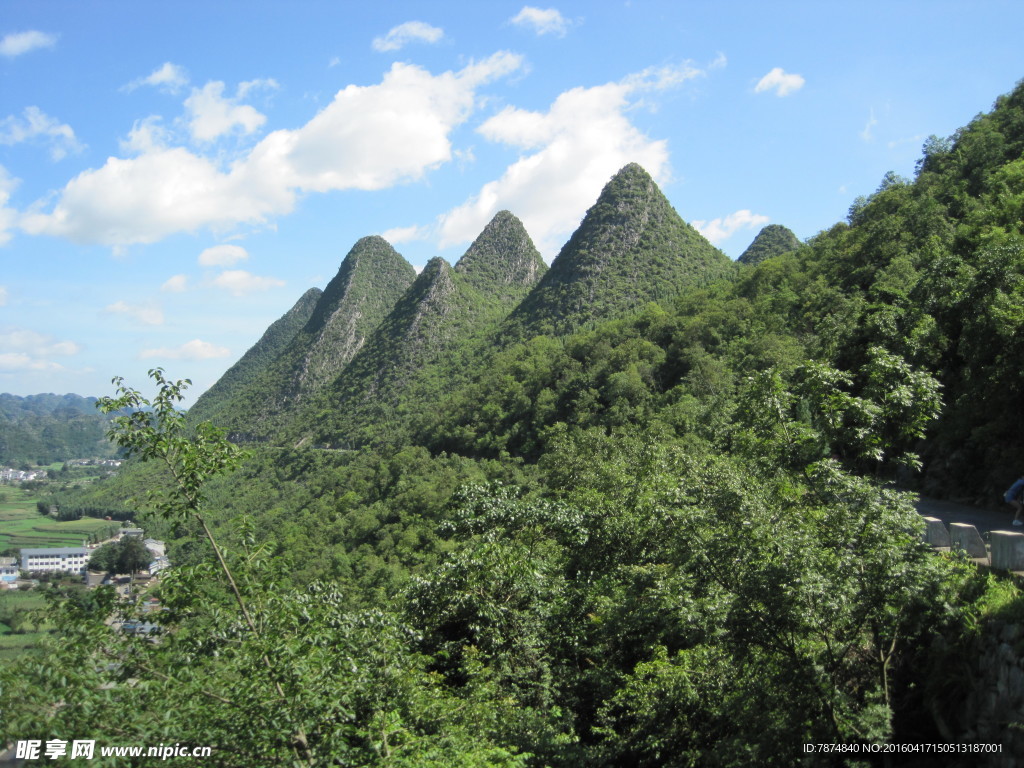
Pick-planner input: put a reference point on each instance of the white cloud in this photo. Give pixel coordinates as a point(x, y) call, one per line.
point(190, 350)
point(175, 284)
point(723, 228)
point(238, 282)
point(22, 349)
point(19, 361)
point(3, 295)
point(583, 139)
point(719, 62)
point(147, 198)
point(18, 43)
point(267, 83)
point(405, 234)
point(147, 314)
point(542, 21)
point(223, 256)
point(867, 134)
point(34, 124)
point(146, 135)
point(368, 137)
point(398, 37)
point(212, 116)
point(170, 77)
point(781, 82)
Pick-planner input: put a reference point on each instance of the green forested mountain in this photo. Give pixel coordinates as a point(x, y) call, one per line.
point(648, 519)
point(772, 240)
point(434, 330)
point(257, 360)
point(48, 428)
point(372, 277)
point(631, 248)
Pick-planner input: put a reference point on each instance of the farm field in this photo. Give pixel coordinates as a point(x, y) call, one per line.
point(21, 525)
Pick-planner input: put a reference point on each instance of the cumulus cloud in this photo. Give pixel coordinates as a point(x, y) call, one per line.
point(368, 137)
point(542, 21)
point(147, 314)
point(18, 43)
point(781, 82)
point(718, 230)
point(35, 125)
point(238, 282)
point(170, 77)
point(223, 256)
point(11, 362)
point(196, 349)
point(572, 150)
point(146, 198)
point(175, 284)
point(211, 116)
point(22, 349)
point(410, 31)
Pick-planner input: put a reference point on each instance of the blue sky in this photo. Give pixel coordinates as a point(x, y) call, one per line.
point(174, 176)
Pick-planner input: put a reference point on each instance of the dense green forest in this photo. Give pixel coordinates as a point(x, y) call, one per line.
point(640, 509)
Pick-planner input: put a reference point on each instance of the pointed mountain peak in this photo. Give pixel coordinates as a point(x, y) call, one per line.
point(428, 292)
point(631, 171)
point(370, 259)
point(436, 266)
point(502, 255)
point(631, 247)
point(772, 240)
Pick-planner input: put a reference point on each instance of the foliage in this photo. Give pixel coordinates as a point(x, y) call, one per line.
point(125, 556)
point(772, 240)
point(652, 522)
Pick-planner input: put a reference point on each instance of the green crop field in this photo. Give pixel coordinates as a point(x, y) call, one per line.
point(21, 525)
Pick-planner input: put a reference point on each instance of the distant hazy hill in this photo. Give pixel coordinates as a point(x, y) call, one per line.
point(773, 240)
point(632, 247)
point(48, 428)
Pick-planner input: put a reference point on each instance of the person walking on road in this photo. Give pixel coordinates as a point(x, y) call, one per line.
point(1015, 498)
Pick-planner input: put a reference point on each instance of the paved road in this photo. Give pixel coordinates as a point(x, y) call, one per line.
point(982, 519)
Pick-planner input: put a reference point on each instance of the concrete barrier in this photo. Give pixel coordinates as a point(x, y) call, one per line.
point(966, 537)
point(1007, 550)
point(935, 533)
